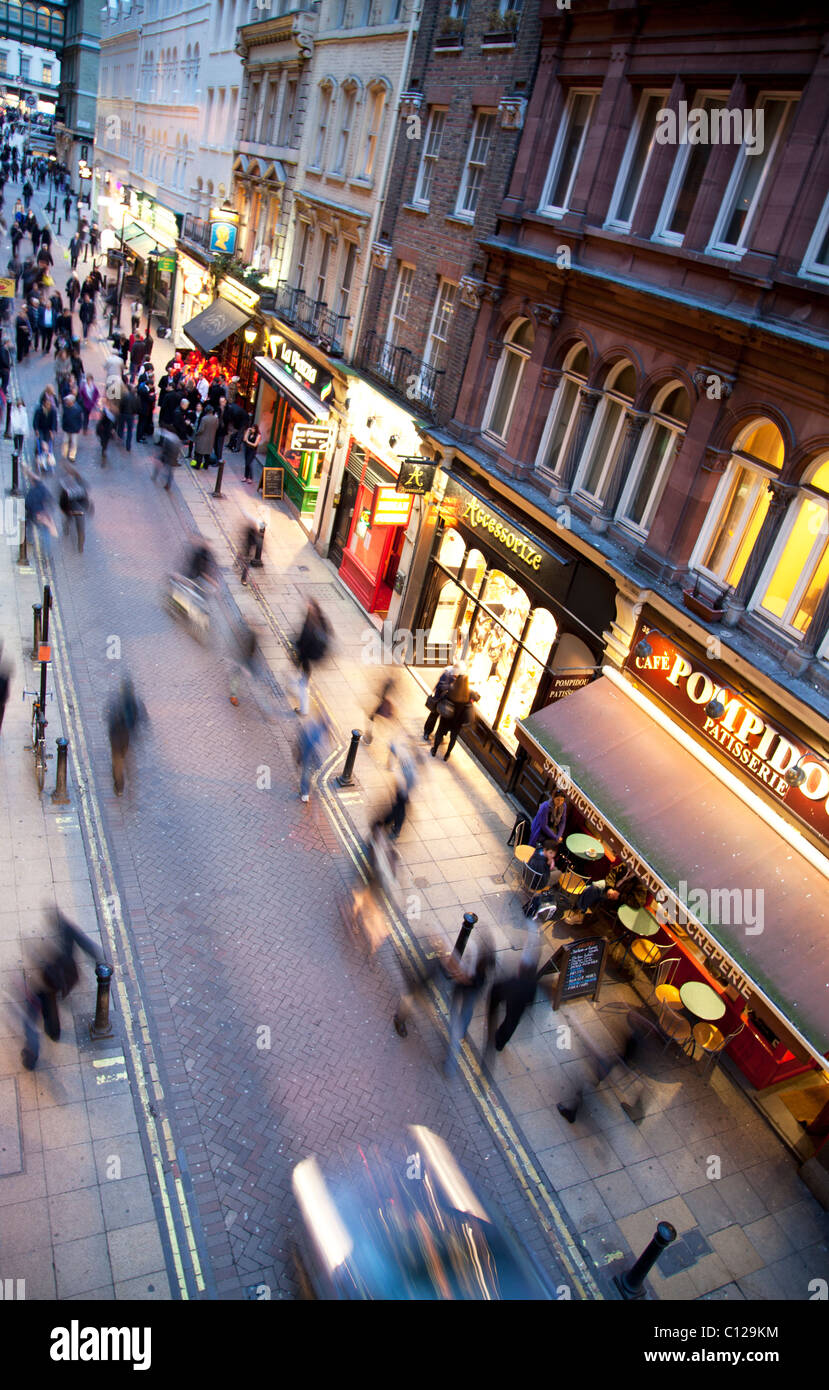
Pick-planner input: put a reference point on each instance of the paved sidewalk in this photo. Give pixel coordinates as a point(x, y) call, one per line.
point(754, 1231)
point(77, 1217)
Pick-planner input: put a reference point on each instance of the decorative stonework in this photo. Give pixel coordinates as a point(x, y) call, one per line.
point(715, 460)
point(546, 314)
point(411, 104)
point(493, 348)
point(550, 377)
point(512, 111)
point(380, 252)
point(704, 377)
point(303, 35)
point(491, 293)
point(471, 291)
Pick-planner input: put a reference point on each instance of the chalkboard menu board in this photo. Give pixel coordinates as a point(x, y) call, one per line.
point(271, 482)
point(580, 969)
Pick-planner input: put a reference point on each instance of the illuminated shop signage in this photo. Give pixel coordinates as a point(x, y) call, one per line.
point(477, 516)
point(391, 508)
point(293, 361)
point(780, 765)
point(416, 477)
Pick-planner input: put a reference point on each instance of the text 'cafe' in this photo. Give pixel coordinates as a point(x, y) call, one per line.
point(723, 812)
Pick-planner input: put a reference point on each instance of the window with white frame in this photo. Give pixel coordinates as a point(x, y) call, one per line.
point(271, 109)
point(561, 421)
point(476, 161)
point(25, 65)
point(322, 269)
point(567, 152)
point(516, 351)
point(798, 569)
point(430, 155)
point(374, 121)
point(349, 99)
point(303, 247)
point(689, 169)
point(651, 464)
point(738, 508)
point(750, 176)
point(347, 278)
point(287, 123)
point(323, 117)
point(252, 113)
point(816, 261)
point(607, 432)
point(440, 325)
point(635, 161)
point(400, 301)
point(46, 73)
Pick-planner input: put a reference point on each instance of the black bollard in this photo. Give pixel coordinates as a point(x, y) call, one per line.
point(47, 608)
point(101, 1027)
point(43, 669)
point(256, 562)
point(630, 1283)
point(23, 553)
point(60, 796)
point(469, 920)
point(217, 491)
point(36, 637)
point(8, 430)
point(345, 778)
point(57, 229)
point(14, 490)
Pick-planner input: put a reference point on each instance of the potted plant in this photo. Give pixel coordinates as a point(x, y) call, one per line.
point(703, 607)
point(451, 24)
point(502, 21)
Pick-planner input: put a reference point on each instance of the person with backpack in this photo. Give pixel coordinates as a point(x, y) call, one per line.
point(311, 647)
point(75, 504)
point(454, 712)
point(86, 314)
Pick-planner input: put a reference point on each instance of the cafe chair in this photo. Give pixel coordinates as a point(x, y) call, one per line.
point(521, 854)
point(649, 955)
point(712, 1044)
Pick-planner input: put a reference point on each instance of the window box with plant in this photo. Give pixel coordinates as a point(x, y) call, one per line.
point(450, 33)
point(502, 26)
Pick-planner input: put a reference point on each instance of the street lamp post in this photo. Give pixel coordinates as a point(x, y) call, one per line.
point(116, 309)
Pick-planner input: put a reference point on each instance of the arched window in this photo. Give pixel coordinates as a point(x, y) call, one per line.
point(740, 503)
point(348, 103)
point(561, 421)
point(604, 441)
point(518, 345)
point(651, 464)
point(798, 570)
point(326, 94)
point(375, 107)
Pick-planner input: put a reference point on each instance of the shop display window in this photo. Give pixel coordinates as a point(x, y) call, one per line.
point(267, 407)
point(452, 551)
point(450, 624)
point(489, 656)
point(507, 601)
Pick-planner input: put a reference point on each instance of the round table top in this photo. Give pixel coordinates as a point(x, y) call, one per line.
point(640, 922)
point(585, 847)
point(700, 999)
point(524, 853)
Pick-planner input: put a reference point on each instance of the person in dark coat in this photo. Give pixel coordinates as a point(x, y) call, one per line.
point(27, 194)
point(125, 713)
point(15, 269)
point(237, 422)
point(23, 334)
point(516, 993)
point(45, 325)
point(126, 417)
point(205, 437)
point(137, 352)
point(252, 439)
point(74, 251)
point(105, 429)
point(86, 314)
point(440, 692)
point(461, 698)
point(71, 424)
point(5, 365)
point(73, 290)
point(75, 503)
point(311, 647)
point(146, 404)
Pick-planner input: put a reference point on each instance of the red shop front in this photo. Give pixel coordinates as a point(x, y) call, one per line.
point(369, 525)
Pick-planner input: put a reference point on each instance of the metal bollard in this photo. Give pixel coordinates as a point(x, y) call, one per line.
point(630, 1283)
point(101, 1026)
point(36, 635)
point(469, 920)
point(60, 796)
point(217, 491)
point(23, 553)
point(8, 430)
point(47, 608)
point(57, 229)
point(256, 562)
point(14, 490)
point(44, 666)
point(345, 778)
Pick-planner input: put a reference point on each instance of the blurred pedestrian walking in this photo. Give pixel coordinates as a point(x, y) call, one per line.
point(440, 692)
point(125, 713)
point(55, 977)
point(311, 746)
point(455, 711)
point(244, 658)
point(311, 648)
point(75, 503)
point(469, 984)
point(516, 993)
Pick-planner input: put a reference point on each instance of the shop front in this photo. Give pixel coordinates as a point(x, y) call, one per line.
point(223, 336)
point(721, 811)
point(370, 524)
point(148, 235)
point(193, 294)
point(524, 613)
point(292, 390)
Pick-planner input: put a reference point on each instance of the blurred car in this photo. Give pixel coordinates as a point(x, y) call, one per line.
point(407, 1230)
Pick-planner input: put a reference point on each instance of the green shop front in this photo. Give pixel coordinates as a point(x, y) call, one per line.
point(292, 390)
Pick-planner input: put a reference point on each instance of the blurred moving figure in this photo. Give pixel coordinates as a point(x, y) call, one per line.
point(75, 503)
point(244, 658)
point(516, 993)
point(247, 546)
point(125, 713)
point(404, 762)
point(440, 692)
point(55, 978)
point(311, 648)
point(384, 709)
point(602, 1064)
point(311, 745)
point(470, 981)
point(367, 911)
point(408, 1226)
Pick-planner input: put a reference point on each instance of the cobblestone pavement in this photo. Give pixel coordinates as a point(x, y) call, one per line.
point(231, 892)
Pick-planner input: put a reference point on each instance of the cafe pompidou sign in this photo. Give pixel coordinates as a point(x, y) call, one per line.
point(774, 761)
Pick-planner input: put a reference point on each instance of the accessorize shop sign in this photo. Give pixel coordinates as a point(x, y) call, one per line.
point(778, 764)
point(485, 522)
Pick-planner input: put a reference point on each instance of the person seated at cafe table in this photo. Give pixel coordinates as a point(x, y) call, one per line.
point(543, 862)
point(550, 820)
point(629, 888)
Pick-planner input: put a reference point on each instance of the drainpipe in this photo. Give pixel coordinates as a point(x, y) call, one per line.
point(391, 144)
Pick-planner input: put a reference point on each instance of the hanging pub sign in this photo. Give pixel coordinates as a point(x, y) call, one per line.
point(310, 439)
point(774, 761)
point(224, 227)
point(391, 508)
point(415, 477)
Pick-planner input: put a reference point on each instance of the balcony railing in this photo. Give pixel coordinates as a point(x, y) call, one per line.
point(197, 230)
point(312, 317)
point(409, 376)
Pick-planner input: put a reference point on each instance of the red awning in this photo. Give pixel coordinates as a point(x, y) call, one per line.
point(689, 828)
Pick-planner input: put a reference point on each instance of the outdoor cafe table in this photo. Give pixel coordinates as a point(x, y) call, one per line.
point(638, 921)
point(585, 847)
point(701, 1000)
